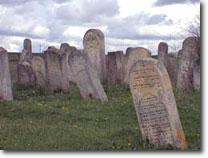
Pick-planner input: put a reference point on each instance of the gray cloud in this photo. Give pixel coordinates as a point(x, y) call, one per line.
point(171, 2)
point(87, 11)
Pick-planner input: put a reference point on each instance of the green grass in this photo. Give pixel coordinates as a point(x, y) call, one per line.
point(37, 120)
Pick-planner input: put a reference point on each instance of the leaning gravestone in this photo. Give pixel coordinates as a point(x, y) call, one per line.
point(94, 47)
point(38, 66)
point(26, 54)
point(86, 77)
point(132, 56)
point(155, 104)
point(5, 79)
point(186, 57)
point(53, 70)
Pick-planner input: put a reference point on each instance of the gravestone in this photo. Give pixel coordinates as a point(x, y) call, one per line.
point(186, 57)
point(86, 77)
point(162, 52)
point(53, 70)
point(5, 79)
point(25, 74)
point(66, 50)
point(196, 75)
point(38, 66)
point(26, 54)
point(115, 67)
point(155, 104)
point(132, 56)
point(94, 47)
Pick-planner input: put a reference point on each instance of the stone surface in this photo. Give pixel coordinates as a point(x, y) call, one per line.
point(196, 74)
point(5, 79)
point(38, 66)
point(25, 74)
point(66, 50)
point(26, 54)
point(162, 52)
point(52, 58)
point(86, 77)
point(115, 67)
point(186, 57)
point(94, 47)
point(132, 56)
point(155, 104)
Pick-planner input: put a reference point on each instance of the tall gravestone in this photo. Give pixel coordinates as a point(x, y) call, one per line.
point(26, 54)
point(25, 73)
point(132, 55)
point(5, 79)
point(86, 77)
point(38, 66)
point(53, 70)
point(196, 74)
point(115, 67)
point(66, 50)
point(94, 47)
point(155, 104)
point(186, 57)
point(162, 52)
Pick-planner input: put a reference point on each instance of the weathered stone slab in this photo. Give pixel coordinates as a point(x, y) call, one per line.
point(132, 56)
point(186, 57)
point(94, 47)
point(86, 77)
point(5, 79)
point(196, 74)
point(25, 74)
point(26, 54)
point(67, 75)
point(38, 66)
point(115, 67)
point(162, 52)
point(53, 70)
point(155, 104)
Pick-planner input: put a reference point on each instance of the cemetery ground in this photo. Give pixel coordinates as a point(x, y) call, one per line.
point(37, 120)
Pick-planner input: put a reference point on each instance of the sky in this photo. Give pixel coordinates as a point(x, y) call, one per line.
point(125, 23)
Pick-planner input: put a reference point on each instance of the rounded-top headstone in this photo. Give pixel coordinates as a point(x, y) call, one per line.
point(191, 46)
point(94, 47)
point(27, 45)
point(132, 56)
point(162, 51)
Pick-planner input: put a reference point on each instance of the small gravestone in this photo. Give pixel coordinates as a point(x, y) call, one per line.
point(53, 70)
point(38, 66)
point(94, 47)
point(115, 67)
point(26, 54)
point(25, 74)
point(186, 57)
point(155, 104)
point(132, 56)
point(5, 79)
point(86, 77)
point(162, 52)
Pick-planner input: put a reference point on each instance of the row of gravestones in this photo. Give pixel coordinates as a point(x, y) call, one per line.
point(148, 79)
point(183, 67)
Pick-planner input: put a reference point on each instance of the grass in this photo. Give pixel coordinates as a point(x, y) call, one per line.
point(37, 120)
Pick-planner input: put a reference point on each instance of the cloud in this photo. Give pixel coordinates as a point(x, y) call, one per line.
point(171, 2)
point(87, 11)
